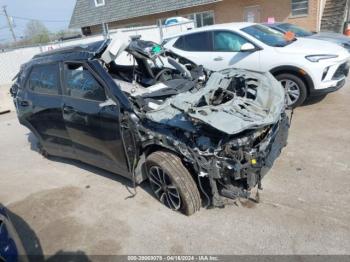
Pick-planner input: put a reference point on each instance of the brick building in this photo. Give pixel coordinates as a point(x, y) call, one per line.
point(91, 15)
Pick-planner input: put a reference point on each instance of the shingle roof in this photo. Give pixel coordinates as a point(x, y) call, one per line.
point(87, 14)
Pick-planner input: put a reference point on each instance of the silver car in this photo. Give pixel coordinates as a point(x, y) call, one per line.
point(337, 38)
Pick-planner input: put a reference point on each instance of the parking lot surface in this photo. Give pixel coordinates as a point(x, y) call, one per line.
point(59, 205)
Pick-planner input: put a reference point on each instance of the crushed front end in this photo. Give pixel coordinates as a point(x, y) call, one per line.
point(227, 127)
point(229, 131)
point(238, 165)
point(224, 166)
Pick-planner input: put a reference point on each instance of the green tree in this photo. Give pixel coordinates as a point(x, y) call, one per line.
point(37, 32)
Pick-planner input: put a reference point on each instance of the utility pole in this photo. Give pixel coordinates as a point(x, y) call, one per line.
point(105, 31)
point(9, 22)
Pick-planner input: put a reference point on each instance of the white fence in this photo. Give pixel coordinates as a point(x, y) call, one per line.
point(10, 61)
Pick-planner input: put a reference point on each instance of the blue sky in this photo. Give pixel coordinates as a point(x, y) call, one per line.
point(37, 9)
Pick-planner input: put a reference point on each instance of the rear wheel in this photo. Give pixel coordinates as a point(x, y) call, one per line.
point(295, 87)
point(171, 183)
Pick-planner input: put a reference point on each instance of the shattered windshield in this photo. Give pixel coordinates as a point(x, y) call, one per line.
point(267, 35)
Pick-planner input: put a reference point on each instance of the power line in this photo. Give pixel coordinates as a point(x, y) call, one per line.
point(42, 20)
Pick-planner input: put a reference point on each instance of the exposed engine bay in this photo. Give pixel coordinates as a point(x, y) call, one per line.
point(227, 126)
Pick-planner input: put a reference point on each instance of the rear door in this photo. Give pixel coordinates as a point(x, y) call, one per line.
point(92, 120)
point(39, 108)
point(197, 47)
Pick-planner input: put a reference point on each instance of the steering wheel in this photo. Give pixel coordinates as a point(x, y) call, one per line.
point(163, 75)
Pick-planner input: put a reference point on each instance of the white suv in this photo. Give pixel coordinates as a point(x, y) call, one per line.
point(305, 67)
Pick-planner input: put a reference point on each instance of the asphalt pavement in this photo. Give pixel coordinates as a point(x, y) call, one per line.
point(63, 206)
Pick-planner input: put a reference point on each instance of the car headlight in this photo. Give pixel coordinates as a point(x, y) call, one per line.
point(317, 58)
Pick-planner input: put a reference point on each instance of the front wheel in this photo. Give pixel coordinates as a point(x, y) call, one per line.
point(295, 87)
point(171, 183)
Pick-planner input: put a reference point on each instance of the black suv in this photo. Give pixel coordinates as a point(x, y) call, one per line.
point(161, 118)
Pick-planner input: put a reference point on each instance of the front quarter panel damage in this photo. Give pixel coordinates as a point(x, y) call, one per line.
point(228, 127)
point(231, 101)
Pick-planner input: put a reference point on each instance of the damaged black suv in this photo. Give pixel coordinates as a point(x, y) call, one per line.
point(161, 118)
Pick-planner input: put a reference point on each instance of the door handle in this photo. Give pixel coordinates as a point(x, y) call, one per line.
point(219, 58)
point(68, 109)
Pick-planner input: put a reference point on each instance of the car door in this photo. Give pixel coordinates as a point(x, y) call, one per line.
point(92, 120)
point(39, 108)
point(217, 50)
point(227, 51)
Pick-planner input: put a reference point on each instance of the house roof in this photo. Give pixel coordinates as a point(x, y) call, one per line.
point(87, 14)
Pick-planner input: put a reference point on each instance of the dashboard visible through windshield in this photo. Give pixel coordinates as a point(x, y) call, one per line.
point(298, 31)
point(267, 35)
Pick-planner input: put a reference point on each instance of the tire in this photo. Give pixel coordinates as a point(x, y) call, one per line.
point(175, 176)
point(298, 84)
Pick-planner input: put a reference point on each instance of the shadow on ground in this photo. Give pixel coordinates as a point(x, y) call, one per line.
point(313, 100)
point(98, 171)
point(126, 182)
point(32, 246)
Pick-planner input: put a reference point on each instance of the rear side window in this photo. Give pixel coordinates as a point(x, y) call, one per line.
point(44, 79)
point(197, 42)
point(80, 83)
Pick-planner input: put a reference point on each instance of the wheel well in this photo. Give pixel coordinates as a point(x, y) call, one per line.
point(297, 72)
point(154, 147)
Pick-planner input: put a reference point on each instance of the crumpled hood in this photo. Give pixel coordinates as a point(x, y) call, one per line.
point(220, 105)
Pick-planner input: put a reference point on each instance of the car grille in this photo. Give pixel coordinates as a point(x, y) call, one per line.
point(343, 70)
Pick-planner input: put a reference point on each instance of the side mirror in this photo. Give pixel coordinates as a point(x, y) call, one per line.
point(248, 47)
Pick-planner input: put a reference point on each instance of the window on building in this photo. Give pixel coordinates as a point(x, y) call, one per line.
point(225, 41)
point(197, 42)
point(190, 16)
point(201, 19)
point(86, 30)
point(300, 7)
point(44, 79)
point(132, 25)
point(99, 3)
point(80, 83)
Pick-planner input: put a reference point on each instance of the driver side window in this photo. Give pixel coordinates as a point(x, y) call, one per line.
point(80, 83)
point(225, 41)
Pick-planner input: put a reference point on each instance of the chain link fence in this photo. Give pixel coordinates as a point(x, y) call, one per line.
point(10, 61)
